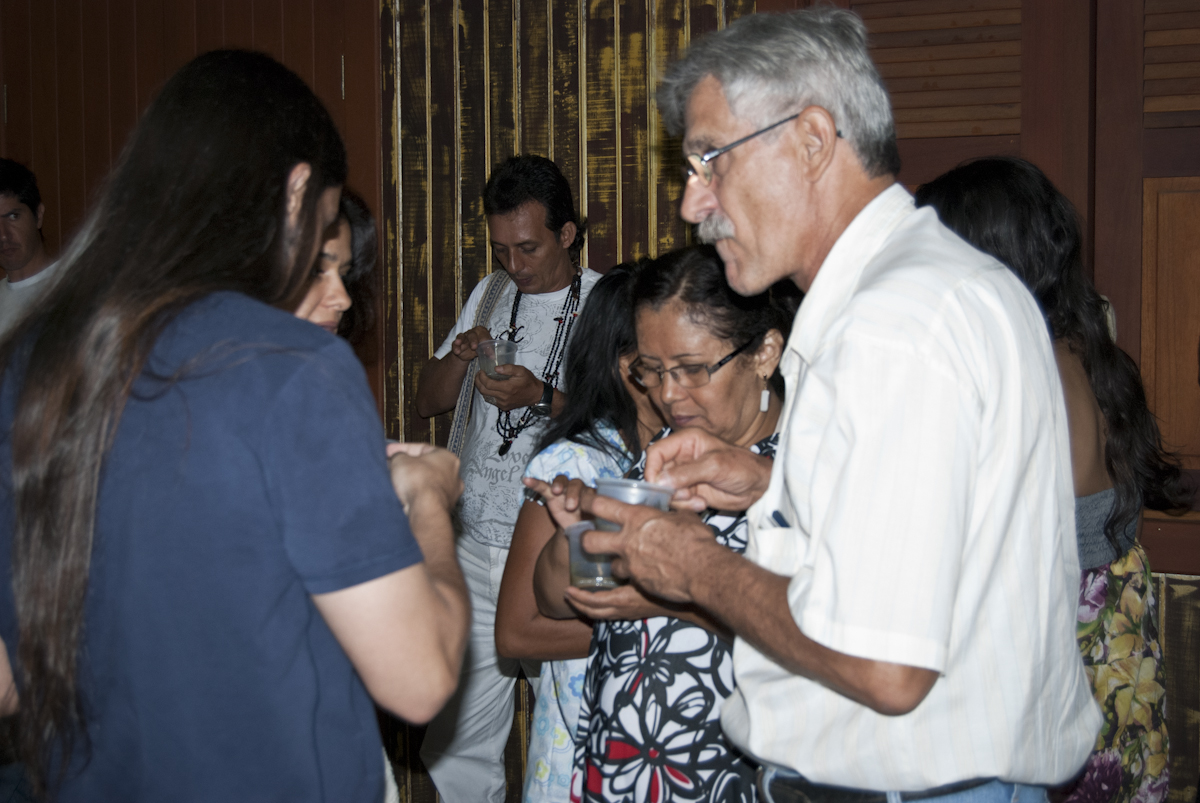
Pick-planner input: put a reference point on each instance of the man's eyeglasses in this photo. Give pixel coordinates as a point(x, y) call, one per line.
point(688, 376)
point(698, 164)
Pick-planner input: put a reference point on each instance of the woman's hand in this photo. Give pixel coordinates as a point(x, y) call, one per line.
point(623, 602)
point(422, 471)
point(563, 498)
point(628, 602)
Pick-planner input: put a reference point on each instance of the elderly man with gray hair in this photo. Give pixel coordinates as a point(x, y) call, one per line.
point(905, 610)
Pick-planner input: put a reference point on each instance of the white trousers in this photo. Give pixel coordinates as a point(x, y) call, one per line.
point(464, 746)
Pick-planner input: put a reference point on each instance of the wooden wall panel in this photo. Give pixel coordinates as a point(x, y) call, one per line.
point(952, 71)
point(1171, 311)
point(1118, 175)
point(478, 82)
point(76, 74)
point(1057, 133)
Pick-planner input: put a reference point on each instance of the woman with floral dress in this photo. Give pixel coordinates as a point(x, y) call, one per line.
point(649, 723)
point(598, 434)
point(1008, 208)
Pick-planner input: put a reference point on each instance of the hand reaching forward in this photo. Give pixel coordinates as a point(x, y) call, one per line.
point(707, 472)
point(562, 498)
point(422, 472)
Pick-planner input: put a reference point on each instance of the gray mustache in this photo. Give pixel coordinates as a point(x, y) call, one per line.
point(714, 227)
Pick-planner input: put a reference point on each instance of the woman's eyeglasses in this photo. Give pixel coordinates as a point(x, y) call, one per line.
point(688, 376)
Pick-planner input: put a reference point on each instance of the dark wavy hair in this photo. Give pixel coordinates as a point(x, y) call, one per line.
point(196, 204)
point(17, 179)
point(1007, 207)
point(695, 276)
point(519, 179)
point(596, 392)
point(359, 279)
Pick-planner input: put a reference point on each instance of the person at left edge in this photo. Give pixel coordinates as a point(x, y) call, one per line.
point(536, 238)
point(28, 269)
point(205, 573)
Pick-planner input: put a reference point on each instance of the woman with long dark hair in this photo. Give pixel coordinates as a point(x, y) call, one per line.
point(1009, 209)
point(657, 673)
point(207, 559)
point(599, 433)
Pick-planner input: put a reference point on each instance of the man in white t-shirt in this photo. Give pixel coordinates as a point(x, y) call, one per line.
point(536, 238)
point(905, 610)
point(23, 256)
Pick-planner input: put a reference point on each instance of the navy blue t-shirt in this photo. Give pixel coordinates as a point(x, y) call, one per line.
point(230, 496)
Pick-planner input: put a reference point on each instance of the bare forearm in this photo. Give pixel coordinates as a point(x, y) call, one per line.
point(434, 531)
point(441, 380)
point(551, 577)
point(753, 602)
point(9, 703)
point(544, 639)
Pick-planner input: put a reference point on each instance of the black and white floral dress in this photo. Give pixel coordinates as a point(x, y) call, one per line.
point(649, 723)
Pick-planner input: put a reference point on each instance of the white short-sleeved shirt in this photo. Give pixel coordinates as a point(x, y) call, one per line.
point(921, 502)
point(16, 297)
point(493, 491)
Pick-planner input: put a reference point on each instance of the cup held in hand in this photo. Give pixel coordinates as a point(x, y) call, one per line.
point(496, 352)
point(632, 492)
point(588, 571)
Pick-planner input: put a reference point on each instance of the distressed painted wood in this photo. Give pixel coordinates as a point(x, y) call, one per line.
point(467, 83)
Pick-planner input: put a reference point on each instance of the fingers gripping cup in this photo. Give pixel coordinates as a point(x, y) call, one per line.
point(589, 571)
point(632, 492)
point(496, 352)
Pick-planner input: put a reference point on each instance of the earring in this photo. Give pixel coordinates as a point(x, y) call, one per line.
point(765, 399)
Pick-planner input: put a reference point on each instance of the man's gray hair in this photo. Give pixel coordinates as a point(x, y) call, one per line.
point(772, 65)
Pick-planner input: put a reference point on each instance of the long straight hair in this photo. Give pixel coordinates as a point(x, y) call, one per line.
point(596, 392)
point(196, 204)
point(1007, 207)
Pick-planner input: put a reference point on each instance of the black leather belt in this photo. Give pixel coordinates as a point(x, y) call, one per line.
point(796, 789)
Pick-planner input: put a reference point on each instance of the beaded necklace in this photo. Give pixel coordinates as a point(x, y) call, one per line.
point(506, 428)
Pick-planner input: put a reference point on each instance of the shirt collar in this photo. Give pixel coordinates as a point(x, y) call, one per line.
point(839, 274)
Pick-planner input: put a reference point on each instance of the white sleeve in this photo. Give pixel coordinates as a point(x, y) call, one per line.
point(891, 476)
point(466, 318)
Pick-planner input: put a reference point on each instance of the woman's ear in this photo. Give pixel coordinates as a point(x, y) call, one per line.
point(766, 359)
point(625, 362)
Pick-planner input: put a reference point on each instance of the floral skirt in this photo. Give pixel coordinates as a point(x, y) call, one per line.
point(1117, 632)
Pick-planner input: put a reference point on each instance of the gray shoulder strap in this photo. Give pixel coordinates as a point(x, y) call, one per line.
point(496, 283)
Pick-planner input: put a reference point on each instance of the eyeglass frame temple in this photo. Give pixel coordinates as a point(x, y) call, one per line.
point(711, 369)
point(708, 156)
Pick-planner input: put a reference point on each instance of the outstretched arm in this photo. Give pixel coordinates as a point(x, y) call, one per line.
point(675, 557)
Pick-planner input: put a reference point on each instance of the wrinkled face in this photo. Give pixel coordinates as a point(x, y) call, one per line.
point(750, 210)
point(20, 238)
point(327, 299)
point(537, 259)
point(728, 406)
